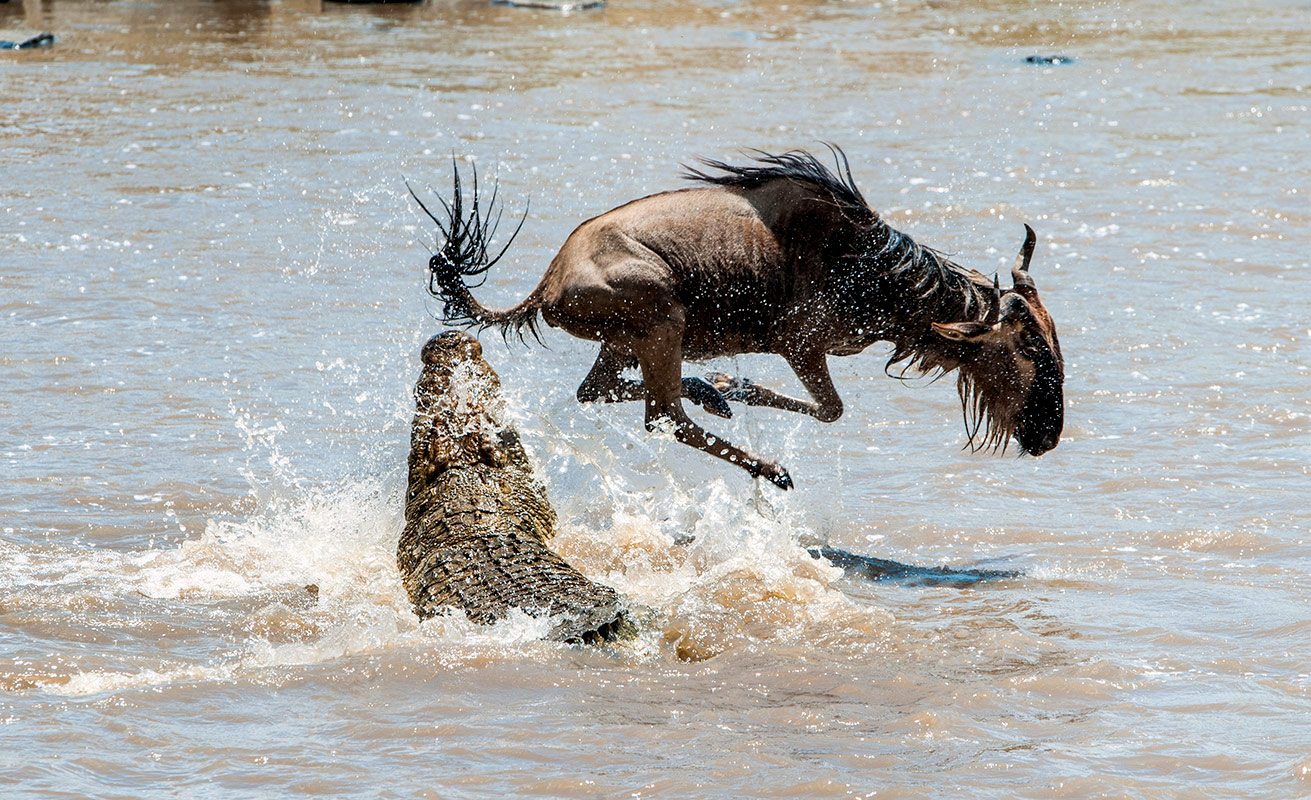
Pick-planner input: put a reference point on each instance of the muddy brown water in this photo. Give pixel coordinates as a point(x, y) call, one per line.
point(211, 304)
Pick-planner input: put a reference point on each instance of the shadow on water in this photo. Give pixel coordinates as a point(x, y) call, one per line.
point(881, 569)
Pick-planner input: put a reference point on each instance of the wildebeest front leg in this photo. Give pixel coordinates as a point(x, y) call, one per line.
point(811, 370)
point(661, 360)
point(605, 383)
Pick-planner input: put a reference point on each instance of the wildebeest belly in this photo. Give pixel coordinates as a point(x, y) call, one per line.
point(728, 324)
point(732, 305)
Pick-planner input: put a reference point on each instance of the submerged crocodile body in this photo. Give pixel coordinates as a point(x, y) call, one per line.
point(477, 520)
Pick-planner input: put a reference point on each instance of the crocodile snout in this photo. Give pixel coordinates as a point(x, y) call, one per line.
point(450, 347)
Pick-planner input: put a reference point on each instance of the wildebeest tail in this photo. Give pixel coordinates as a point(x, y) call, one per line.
point(464, 255)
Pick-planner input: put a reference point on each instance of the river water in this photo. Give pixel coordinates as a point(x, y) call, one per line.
point(211, 298)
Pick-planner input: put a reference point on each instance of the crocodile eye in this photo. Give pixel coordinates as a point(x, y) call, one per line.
point(489, 453)
point(508, 438)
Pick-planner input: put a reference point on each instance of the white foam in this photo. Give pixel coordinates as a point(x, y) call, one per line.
point(742, 577)
point(341, 538)
point(82, 684)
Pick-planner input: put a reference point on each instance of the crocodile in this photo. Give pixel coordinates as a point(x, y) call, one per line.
point(477, 518)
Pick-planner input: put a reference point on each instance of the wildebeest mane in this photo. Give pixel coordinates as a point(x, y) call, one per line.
point(794, 165)
point(902, 266)
point(932, 288)
point(926, 286)
point(913, 284)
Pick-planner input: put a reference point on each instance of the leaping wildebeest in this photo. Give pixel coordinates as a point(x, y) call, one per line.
point(781, 256)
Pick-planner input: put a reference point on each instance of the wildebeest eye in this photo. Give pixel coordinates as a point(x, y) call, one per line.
point(962, 331)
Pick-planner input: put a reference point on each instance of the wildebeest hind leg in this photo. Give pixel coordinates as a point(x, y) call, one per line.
point(605, 383)
point(660, 356)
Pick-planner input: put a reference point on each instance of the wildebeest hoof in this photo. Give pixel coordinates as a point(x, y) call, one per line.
point(776, 475)
point(738, 390)
point(722, 381)
point(706, 395)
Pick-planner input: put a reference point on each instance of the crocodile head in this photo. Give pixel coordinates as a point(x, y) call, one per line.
point(459, 413)
point(460, 438)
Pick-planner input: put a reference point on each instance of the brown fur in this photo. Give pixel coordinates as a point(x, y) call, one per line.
point(785, 257)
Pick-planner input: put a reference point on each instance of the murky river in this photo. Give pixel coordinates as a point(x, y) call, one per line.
point(211, 299)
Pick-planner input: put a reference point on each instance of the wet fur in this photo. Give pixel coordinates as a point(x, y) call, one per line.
point(782, 256)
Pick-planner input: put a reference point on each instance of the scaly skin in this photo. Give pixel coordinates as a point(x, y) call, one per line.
point(477, 520)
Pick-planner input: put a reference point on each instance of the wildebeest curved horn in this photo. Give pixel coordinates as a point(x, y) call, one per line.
point(1020, 272)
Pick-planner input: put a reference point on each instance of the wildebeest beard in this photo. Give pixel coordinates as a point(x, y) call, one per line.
point(991, 393)
point(991, 402)
point(1003, 394)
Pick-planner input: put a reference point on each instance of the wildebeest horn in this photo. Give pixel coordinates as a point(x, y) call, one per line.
point(995, 312)
point(1020, 272)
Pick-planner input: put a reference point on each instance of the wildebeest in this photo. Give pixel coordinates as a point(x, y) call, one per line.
point(780, 256)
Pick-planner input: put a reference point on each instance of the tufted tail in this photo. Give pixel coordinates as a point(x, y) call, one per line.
point(464, 253)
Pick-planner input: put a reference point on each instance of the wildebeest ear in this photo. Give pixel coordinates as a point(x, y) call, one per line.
point(962, 331)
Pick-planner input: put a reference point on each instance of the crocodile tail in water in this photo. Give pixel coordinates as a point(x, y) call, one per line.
point(881, 569)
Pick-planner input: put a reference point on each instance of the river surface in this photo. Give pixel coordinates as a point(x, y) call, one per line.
point(211, 304)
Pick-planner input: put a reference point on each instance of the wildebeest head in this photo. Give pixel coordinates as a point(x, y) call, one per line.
point(1011, 370)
